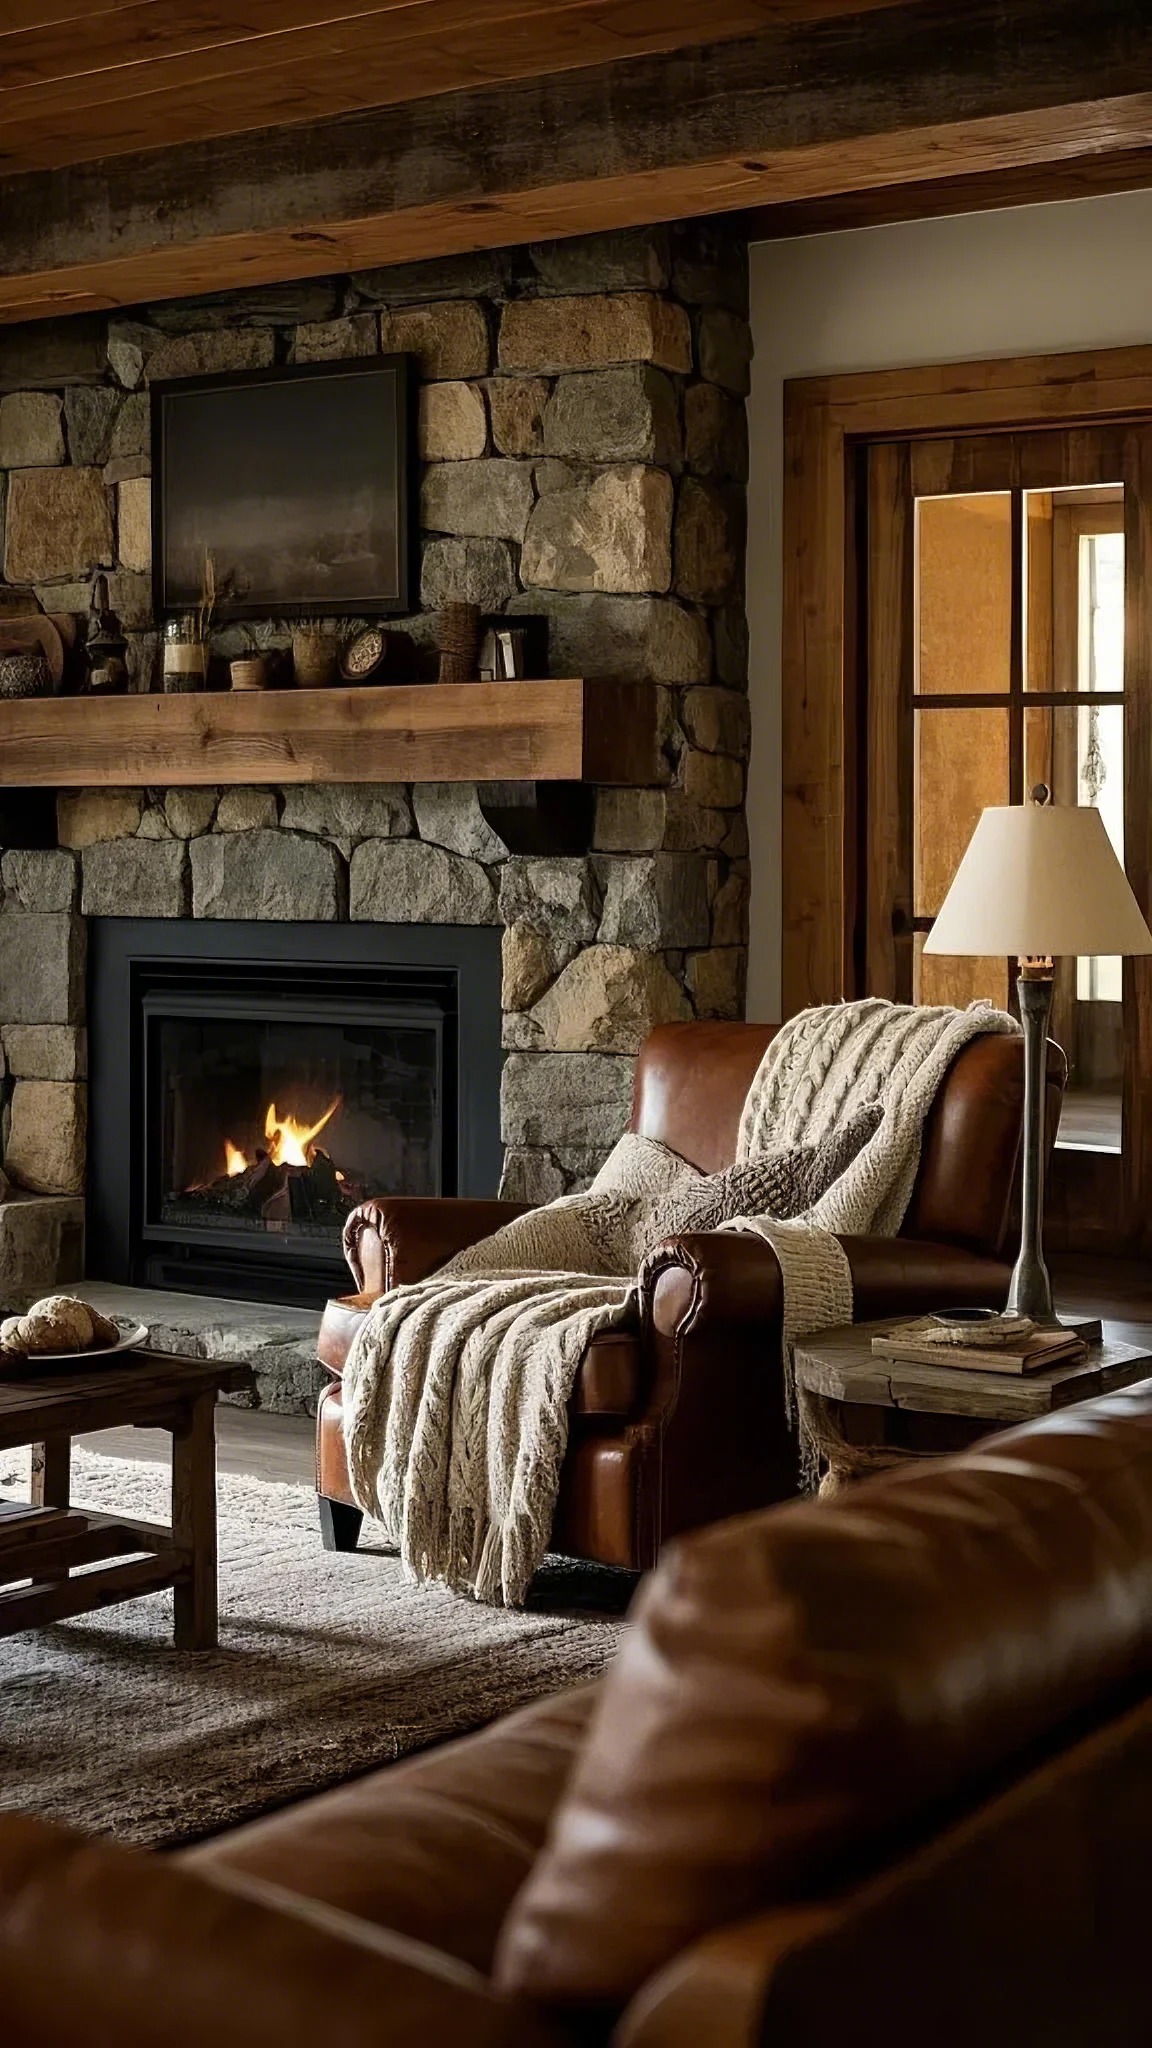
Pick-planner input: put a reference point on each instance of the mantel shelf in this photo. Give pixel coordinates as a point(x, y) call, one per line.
point(554, 731)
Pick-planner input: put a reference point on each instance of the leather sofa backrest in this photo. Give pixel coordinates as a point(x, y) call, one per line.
point(806, 1691)
point(691, 1081)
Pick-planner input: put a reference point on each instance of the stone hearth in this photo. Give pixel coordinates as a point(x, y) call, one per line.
point(584, 454)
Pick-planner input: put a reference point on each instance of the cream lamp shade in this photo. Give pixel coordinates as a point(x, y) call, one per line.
point(1040, 880)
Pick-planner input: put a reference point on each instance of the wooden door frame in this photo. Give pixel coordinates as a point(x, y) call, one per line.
point(826, 419)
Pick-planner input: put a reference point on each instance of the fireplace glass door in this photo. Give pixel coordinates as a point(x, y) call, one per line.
point(282, 1126)
point(252, 1084)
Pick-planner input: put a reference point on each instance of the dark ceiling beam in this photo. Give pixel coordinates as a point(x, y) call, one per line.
point(890, 97)
point(1084, 177)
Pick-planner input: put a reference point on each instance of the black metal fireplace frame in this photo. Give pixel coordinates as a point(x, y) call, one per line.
point(131, 961)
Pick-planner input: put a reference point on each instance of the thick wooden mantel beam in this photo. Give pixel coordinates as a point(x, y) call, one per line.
point(882, 97)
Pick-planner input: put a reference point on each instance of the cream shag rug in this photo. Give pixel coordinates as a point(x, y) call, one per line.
point(328, 1665)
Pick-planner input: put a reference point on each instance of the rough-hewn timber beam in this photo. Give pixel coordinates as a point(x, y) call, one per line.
point(880, 98)
point(1079, 177)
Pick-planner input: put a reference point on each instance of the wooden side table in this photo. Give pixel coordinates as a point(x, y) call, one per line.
point(43, 1542)
point(866, 1412)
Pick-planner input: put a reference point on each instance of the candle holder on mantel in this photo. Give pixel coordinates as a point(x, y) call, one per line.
point(106, 649)
point(184, 666)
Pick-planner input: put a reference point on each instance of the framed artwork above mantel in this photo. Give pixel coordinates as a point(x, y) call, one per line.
point(300, 481)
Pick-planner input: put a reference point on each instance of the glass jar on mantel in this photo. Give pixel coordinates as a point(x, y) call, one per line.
point(184, 666)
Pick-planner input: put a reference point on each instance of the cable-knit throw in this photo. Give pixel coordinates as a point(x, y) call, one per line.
point(819, 1070)
point(456, 1388)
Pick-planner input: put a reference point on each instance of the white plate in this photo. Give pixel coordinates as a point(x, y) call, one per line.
point(131, 1341)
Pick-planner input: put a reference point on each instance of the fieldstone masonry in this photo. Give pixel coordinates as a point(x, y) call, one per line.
point(584, 455)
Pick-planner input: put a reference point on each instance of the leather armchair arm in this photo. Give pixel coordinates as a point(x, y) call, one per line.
point(100, 1944)
point(396, 1238)
point(710, 1306)
point(904, 1276)
point(733, 1275)
point(711, 1313)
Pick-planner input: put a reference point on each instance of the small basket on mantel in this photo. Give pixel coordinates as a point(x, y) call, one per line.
point(315, 652)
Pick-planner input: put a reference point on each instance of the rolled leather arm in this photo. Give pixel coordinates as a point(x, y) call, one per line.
point(734, 1276)
point(712, 1308)
point(102, 1945)
point(396, 1238)
point(711, 1305)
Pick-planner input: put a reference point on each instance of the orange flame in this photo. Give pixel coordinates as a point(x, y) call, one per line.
point(288, 1140)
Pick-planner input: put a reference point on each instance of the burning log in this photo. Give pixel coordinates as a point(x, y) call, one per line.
point(249, 1191)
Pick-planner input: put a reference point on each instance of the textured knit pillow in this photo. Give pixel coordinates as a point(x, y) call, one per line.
point(777, 1184)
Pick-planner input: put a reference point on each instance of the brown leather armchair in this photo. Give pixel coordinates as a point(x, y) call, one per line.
point(680, 1421)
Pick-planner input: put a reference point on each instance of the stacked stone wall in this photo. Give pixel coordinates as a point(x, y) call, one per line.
point(583, 451)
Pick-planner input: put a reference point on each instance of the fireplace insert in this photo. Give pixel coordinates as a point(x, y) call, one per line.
point(250, 1084)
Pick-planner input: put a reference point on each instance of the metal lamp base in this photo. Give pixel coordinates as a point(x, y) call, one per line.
point(1030, 1291)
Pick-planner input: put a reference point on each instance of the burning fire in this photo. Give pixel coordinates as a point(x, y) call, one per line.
point(288, 1140)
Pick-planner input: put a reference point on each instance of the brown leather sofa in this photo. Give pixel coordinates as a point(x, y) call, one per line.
point(873, 1770)
point(681, 1421)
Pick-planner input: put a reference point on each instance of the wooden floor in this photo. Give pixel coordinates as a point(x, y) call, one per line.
point(1119, 1290)
point(280, 1447)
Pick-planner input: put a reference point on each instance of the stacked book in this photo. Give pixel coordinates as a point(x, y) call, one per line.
point(1036, 1351)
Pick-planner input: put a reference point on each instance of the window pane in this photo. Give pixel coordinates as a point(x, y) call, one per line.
point(944, 978)
point(1101, 646)
point(961, 765)
point(1074, 589)
point(964, 594)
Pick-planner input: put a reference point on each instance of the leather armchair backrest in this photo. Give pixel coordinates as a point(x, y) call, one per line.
point(691, 1081)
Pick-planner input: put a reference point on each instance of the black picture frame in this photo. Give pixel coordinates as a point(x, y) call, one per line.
point(355, 436)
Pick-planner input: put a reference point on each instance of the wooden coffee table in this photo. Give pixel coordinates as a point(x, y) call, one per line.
point(44, 1542)
point(866, 1411)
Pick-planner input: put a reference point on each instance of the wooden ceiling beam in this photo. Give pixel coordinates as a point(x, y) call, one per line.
point(882, 98)
point(172, 71)
point(1034, 184)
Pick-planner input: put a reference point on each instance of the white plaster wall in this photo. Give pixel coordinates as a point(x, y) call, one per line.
point(1072, 275)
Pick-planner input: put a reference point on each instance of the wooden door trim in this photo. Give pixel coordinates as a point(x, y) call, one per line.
point(826, 419)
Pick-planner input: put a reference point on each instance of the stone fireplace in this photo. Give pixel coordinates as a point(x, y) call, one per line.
point(276, 1076)
point(584, 455)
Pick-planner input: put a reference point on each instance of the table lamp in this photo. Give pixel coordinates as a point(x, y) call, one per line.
point(1038, 880)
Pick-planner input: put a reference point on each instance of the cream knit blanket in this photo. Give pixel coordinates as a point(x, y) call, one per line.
point(456, 1388)
point(819, 1069)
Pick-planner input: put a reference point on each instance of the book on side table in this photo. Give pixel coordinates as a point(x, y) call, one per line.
point(1037, 1351)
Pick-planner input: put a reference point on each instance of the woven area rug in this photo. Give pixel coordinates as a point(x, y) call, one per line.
point(328, 1664)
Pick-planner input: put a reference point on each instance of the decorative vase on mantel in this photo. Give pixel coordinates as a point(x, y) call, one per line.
point(185, 664)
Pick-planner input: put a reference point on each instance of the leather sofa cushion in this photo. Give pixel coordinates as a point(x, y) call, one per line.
point(607, 1384)
point(433, 1847)
point(804, 1688)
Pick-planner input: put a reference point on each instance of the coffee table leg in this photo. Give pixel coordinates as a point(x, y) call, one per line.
point(51, 1485)
point(52, 1472)
point(194, 1522)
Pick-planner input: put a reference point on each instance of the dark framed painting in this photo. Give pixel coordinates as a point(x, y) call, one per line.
point(299, 481)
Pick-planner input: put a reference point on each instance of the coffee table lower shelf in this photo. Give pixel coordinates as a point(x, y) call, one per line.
point(58, 1561)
